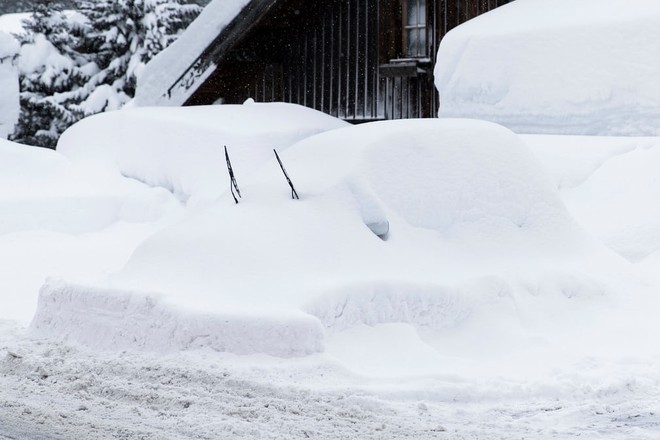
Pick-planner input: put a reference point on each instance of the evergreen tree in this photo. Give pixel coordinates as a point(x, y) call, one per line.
point(90, 65)
point(126, 34)
point(50, 66)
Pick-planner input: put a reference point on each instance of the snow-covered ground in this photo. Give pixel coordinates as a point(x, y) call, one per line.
point(488, 309)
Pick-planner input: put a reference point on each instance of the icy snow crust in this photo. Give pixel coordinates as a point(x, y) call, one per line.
point(164, 69)
point(556, 66)
point(478, 237)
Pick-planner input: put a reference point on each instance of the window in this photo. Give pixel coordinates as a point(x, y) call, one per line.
point(414, 35)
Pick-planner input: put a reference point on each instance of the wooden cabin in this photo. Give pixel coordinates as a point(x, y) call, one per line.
point(359, 60)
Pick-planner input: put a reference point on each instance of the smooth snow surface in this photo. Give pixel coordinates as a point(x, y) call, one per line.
point(167, 67)
point(181, 149)
point(607, 183)
point(9, 102)
point(556, 66)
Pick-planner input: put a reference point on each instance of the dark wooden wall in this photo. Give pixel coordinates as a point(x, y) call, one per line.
point(337, 56)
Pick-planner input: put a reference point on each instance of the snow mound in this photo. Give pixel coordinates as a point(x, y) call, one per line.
point(181, 149)
point(39, 189)
point(475, 228)
point(556, 66)
point(165, 69)
point(607, 184)
point(9, 102)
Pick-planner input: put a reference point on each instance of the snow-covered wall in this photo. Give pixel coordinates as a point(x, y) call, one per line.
point(9, 103)
point(164, 69)
point(556, 66)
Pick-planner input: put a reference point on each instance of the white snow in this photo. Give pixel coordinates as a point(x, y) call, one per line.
point(9, 103)
point(437, 278)
point(13, 23)
point(168, 66)
point(481, 261)
point(556, 66)
point(55, 222)
point(181, 149)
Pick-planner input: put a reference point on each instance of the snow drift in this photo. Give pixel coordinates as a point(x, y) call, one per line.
point(475, 229)
point(556, 66)
point(40, 190)
point(181, 149)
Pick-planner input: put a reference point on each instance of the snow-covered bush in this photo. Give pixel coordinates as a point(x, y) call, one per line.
point(8, 84)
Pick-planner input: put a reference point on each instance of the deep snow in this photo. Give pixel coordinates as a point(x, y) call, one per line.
point(495, 316)
point(481, 262)
point(556, 66)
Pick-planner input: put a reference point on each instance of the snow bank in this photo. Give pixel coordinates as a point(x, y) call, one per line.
point(9, 103)
point(181, 149)
point(556, 66)
point(477, 233)
point(609, 185)
point(164, 70)
point(55, 222)
point(39, 189)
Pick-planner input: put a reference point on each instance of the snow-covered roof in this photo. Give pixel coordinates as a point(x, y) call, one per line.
point(556, 66)
point(173, 65)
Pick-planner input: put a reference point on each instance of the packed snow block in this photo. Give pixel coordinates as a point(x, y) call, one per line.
point(556, 67)
point(9, 102)
point(113, 319)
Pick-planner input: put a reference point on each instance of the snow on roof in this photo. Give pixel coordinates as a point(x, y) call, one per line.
point(165, 69)
point(556, 66)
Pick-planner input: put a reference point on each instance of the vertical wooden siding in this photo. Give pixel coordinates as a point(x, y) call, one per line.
point(327, 55)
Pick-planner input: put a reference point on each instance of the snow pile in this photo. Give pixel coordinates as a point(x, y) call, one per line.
point(477, 236)
point(39, 189)
point(181, 149)
point(164, 70)
point(9, 103)
point(55, 222)
point(608, 184)
point(556, 66)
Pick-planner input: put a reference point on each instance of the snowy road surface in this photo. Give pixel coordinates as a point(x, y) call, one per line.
point(52, 390)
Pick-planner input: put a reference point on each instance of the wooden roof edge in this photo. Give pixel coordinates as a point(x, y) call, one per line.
point(244, 21)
